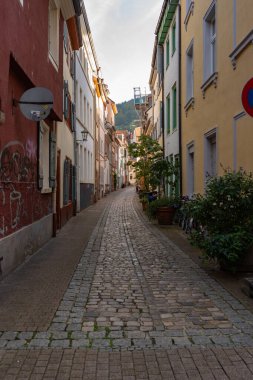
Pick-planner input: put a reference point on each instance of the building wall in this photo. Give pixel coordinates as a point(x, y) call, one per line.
point(219, 108)
point(85, 121)
point(24, 64)
point(171, 79)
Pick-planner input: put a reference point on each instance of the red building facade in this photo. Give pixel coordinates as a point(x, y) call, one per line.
point(25, 63)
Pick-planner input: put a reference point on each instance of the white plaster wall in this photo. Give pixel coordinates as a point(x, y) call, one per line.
point(171, 76)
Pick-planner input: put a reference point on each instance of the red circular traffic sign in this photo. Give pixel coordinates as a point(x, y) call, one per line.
point(247, 97)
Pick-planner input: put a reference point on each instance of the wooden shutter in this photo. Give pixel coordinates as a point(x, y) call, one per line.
point(52, 158)
point(66, 182)
point(65, 99)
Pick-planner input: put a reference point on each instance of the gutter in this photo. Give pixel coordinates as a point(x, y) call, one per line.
point(74, 140)
point(180, 103)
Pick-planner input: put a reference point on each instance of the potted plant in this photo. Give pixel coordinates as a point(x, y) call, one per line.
point(164, 209)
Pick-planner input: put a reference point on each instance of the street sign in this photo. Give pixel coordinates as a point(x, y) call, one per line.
point(247, 97)
point(36, 103)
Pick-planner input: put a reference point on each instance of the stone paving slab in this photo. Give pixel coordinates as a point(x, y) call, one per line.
point(30, 296)
point(137, 307)
point(182, 363)
point(134, 289)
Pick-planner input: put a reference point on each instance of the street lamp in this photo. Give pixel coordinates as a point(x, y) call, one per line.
point(84, 134)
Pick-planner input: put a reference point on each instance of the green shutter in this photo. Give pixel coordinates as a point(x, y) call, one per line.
point(174, 107)
point(168, 52)
point(52, 162)
point(168, 114)
point(174, 38)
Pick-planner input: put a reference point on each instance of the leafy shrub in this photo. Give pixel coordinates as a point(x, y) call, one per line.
point(226, 213)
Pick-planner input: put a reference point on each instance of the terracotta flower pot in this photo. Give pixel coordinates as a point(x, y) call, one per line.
point(165, 215)
point(144, 206)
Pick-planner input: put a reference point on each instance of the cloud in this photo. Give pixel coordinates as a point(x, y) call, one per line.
point(123, 33)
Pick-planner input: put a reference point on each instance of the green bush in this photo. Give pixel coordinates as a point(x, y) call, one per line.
point(225, 212)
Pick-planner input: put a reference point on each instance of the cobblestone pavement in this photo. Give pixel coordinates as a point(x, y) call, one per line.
point(136, 303)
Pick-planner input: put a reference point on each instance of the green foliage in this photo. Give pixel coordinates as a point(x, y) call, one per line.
point(226, 213)
point(126, 115)
point(147, 151)
point(162, 202)
point(228, 248)
point(164, 170)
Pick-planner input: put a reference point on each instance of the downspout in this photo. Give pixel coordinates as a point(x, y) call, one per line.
point(163, 108)
point(54, 189)
point(180, 102)
point(74, 141)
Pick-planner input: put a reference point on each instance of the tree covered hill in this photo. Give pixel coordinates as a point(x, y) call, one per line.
point(126, 117)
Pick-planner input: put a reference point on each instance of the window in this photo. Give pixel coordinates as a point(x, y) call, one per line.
point(168, 113)
point(210, 42)
point(190, 169)
point(168, 52)
point(81, 105)
point(47, 144)
point(210, 155)
point(91, 122)
point(188, 3)
point(67, 181)
point(189, 72)
point(84, 111)
point(53, 32)
point(174, 115)
point(174, 38)
point(88, 116)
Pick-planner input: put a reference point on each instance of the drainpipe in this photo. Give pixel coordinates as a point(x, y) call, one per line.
point(180, 102)
point(163, 111)
point(54, 189)
point(74, 141)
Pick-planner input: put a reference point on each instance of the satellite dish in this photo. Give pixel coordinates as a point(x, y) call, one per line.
point(36, 103)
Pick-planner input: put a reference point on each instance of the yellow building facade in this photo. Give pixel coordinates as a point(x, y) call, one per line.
point(216, 63)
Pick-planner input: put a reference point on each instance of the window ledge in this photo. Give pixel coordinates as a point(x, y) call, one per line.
point(211, 80)
point(189, 104)
point(46, 190)
point(188, 14)
point(240, 48)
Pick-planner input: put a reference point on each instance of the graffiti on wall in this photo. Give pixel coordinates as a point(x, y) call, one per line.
point(20, 201)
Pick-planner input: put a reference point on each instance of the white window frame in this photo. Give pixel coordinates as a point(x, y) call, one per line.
point(210, 166)
point(210, 41)
point(190, 168)
point(190, 72)
point(53, 33)
point(44, 156)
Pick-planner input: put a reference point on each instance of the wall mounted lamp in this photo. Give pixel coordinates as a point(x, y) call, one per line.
point(84, 134)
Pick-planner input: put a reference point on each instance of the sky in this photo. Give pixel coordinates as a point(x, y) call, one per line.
point(124, 32)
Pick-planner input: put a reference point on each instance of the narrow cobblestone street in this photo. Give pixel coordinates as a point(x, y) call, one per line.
point(137, 307)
